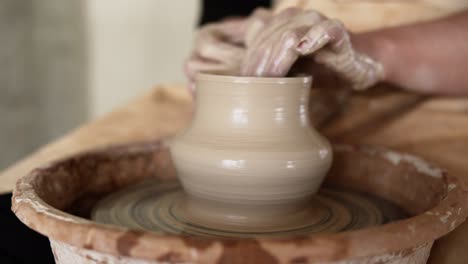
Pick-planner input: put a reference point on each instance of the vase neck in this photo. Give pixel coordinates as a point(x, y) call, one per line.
point(246, 107)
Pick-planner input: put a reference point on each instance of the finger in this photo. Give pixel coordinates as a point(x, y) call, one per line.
point(259, 54)
point(310, 18)
point(273, 51)
point(283, 63)
point(254, 63)
point(365, 72)
point(284, 55)
point(276, 22)
point(256, 23)
point(275, 60)
point(360, 70)
point(232, 30)
point(199, 65)
point(207, 33)
point(327, 32)
point(213, 41)
point(194, 67)
point(218, 51)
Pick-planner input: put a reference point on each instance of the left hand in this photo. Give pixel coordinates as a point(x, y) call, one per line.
point(295, 34)
point(219, 47)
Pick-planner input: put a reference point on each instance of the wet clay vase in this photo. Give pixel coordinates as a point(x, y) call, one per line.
point(251, 159)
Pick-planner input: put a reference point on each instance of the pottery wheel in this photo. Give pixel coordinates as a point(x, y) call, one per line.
point(158, 206)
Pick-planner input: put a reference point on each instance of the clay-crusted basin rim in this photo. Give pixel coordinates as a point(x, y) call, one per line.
point(392, 237)
point(244, 79)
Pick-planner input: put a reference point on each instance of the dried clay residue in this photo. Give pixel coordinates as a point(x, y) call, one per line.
point(420, 165)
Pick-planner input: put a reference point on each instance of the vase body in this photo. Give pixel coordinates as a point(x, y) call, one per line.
point(250, 151)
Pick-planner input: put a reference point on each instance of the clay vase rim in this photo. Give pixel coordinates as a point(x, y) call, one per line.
point(248, 79)
point(51, 222)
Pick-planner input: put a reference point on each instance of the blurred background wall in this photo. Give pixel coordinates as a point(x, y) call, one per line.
point(63, 62)
point(43, 75)
point(136, 44)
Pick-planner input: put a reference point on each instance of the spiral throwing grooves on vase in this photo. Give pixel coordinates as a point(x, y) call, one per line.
point(251, 156)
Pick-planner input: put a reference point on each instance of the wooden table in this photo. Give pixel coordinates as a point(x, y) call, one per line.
point(434, 128)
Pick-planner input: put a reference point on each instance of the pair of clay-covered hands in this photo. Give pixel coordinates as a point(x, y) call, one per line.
point(269, 45)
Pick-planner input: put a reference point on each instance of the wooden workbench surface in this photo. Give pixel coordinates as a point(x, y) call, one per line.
point(434, 128)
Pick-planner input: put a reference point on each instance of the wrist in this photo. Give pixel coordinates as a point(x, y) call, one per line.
point(378, 47)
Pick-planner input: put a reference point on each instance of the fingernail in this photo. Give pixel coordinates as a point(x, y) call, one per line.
point(302, 46)
point(307, 46)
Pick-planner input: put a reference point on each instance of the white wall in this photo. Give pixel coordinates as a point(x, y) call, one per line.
point(134, 45)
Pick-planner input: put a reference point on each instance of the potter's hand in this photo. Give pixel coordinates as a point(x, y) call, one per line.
point(307, 35)
point(220, 48)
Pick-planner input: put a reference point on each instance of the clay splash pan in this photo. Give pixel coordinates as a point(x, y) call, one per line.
point(57, 201)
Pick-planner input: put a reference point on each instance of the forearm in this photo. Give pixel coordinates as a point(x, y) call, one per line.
point(429, 57)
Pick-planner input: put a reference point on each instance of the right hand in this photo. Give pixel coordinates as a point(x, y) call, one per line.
point(296, 36)
point(220, 47)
